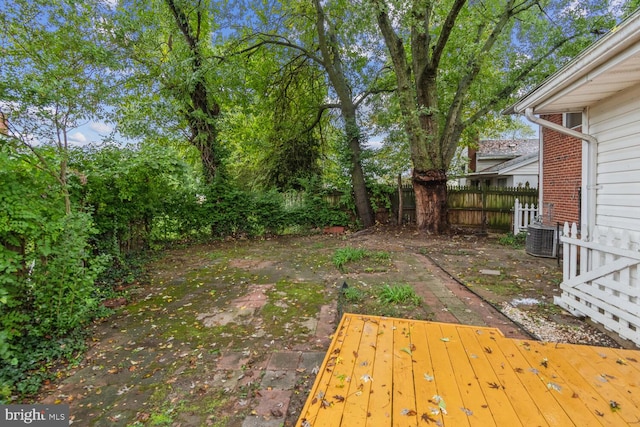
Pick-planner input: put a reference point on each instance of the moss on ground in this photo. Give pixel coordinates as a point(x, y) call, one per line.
point(290, 305)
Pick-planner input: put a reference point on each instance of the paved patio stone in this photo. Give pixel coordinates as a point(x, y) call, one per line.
point(311, 360)
point(273, 403)
point(282, 380)
point(284, 360)
point(232, 360)
point(253, 421)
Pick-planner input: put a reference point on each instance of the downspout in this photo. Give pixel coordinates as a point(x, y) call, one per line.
point(591, 141)
point(528, 112)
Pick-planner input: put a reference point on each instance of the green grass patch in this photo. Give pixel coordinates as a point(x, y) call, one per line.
point(389, 300)
point(353, 295)
point(349, 255)
point(515, 241)
point(399, 294)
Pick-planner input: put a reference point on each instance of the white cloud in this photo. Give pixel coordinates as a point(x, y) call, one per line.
point(77, 138)
point(100, 127)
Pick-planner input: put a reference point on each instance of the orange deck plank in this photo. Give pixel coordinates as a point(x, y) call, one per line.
point(391, 372)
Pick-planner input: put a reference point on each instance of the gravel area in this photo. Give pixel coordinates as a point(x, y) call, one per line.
point(552, 331)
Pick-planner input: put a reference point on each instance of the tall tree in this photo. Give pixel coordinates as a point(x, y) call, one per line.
point(456, 61)
point(295, 139)
point(173, 80)
point(273, 131)
point(329, 35)
point(55, 76)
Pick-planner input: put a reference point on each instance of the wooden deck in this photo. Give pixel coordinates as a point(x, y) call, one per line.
point(398, 372)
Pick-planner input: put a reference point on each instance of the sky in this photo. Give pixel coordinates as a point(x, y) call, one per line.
point(91, 132)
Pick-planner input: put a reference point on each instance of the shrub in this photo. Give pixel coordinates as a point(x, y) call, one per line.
point(269, 216)
point(47, 273)
point(319, 209)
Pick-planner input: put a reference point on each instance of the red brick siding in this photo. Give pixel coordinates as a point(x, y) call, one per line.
point(561, 175)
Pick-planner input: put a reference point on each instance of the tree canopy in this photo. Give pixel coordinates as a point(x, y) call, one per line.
point(457, 62)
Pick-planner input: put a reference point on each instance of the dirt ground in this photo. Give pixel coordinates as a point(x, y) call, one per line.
point(231, 333)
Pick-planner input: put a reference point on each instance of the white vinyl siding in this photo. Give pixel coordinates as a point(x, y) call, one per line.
point(615, 123)
point(482, 164)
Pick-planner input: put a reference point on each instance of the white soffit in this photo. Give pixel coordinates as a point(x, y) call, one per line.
point(610, 65)
point(605, 81)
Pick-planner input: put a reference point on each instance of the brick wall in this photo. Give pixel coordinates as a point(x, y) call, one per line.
point(561, 175)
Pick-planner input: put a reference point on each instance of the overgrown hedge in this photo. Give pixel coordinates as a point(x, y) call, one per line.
point(47, 274)
point(56, 268)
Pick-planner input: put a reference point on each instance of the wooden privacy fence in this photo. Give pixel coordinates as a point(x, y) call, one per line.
point(486, 208)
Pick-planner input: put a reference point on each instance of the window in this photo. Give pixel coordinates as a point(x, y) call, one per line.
point(502, 182)
point(572, 120)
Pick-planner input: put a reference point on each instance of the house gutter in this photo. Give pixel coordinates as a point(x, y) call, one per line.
point(528, 113)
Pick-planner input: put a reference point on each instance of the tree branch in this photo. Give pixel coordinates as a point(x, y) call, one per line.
point(454, 117)
point(514, 84)
point(275, 39)
point(447, 29)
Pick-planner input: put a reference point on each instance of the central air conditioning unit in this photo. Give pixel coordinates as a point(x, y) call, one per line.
point(541, 241)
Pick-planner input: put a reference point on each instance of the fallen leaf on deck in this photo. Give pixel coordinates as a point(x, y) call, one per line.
point(554, 386)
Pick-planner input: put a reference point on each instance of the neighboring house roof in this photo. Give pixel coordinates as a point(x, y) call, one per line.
point(505, 168)
point(608, 66)
point(505, 148)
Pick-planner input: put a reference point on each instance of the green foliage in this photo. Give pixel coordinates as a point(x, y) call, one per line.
point(47, 273)
point(269, 216)
point(353, 295)
point(55, 77)
point(399, 294)
point(516, 241)
point(320, 207)
point(129, 191)
point(380, 195)
point(221, 209)
point(229, 210)
point(393, 300)
point(343, 256)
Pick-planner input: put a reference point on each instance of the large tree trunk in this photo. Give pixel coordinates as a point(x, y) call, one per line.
point(430, 188)
point(361, 197)
point(331, 61)
point(203, 111)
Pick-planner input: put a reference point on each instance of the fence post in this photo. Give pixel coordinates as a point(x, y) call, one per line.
point(573, 253)
point(516, 217)
point(400, 198)
point(532, 214)
point(565, 252)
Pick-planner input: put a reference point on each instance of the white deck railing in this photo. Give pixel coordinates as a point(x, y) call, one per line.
point(600, 279)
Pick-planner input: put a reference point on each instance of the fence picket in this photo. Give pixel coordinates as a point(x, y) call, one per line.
point(565, 250)
point(523, 216)
point(573, 253)
point(605, 288)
